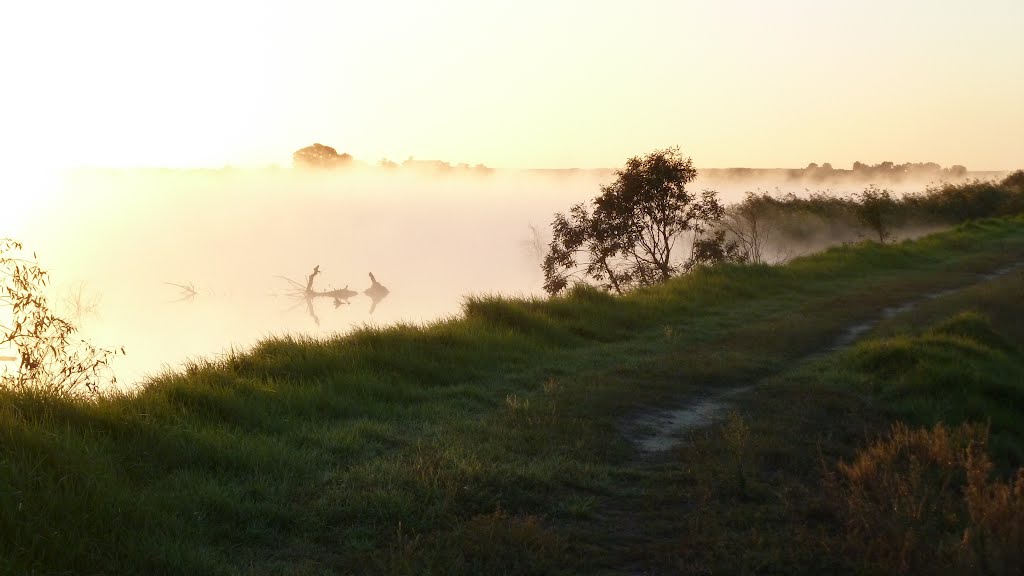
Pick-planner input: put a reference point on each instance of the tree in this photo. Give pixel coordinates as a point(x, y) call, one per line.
point(320, 156)
point(750, 225)
point(957, 171)
point(874, 210)
point(630, 234)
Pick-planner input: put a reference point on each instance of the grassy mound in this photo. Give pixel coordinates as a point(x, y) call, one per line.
point(485, 442)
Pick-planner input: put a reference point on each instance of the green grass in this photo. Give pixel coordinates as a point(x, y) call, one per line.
point(954, 359)
point(960, 370)
point(492, 442)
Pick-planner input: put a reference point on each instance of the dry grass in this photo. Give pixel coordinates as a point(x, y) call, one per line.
point(922, 501)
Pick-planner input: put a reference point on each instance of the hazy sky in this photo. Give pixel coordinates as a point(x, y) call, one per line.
point(520, 83)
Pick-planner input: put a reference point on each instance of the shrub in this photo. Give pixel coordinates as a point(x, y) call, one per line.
point(49, 358)
point(922, 502)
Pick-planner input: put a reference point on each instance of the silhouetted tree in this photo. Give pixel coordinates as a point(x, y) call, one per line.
point(630, 237)
point(874, 209)
point(320, 156)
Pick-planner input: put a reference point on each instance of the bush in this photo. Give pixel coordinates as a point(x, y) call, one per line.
point(49, 358)
point(922, 502)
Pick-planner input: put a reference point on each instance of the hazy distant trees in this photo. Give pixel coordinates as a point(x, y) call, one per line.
point(896, 172)
point(882, 172)
point(442, 167)
point(320, 156)
point(630, 235)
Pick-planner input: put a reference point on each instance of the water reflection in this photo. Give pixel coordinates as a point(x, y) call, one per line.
point(376, 292)
point(187, 292)
point(308, 294)
point(170, 298)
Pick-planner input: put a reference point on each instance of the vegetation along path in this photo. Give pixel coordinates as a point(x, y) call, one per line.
point(660, 429)
point(493, 443)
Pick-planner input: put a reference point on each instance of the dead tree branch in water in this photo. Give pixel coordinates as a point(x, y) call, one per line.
point(309, 280)
point(308, 293)
point(188, 291)
point(80, 303)
point(376, 292)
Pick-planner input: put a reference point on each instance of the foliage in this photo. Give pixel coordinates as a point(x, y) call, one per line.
point(629, 237)
point(874, 210)
point(922, 501)
point(48, 356)
point(926, 378)
point(485, 443)
point(964, 201)
point(1014, 180)
point(896, 172)
point(320, 156)
point(771, 228)
point(751, 225)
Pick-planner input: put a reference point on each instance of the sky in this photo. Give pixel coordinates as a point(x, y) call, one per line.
point(514, 84)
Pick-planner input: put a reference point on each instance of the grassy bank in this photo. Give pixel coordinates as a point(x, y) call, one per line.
point(808, 475)
point(492, 442)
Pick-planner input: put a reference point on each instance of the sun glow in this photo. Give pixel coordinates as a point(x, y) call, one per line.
point(124, 84)
point(24, 196)
point(528, 84)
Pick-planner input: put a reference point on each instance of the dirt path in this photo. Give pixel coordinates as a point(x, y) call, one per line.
point(660, 430)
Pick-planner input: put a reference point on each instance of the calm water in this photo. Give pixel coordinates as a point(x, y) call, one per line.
point(126, 249)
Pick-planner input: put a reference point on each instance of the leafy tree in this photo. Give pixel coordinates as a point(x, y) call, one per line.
point(874, 210)
point(320, 156)
point(630, 235)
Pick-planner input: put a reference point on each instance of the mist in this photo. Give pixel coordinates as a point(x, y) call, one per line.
point(176, 265)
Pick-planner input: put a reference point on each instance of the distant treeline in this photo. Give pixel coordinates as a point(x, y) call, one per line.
point(319, 156)
point(881, 173)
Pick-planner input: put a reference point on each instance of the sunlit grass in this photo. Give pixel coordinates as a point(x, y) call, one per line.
point(475, 444)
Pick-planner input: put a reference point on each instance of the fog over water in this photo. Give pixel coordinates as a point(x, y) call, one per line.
point(124, 248)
